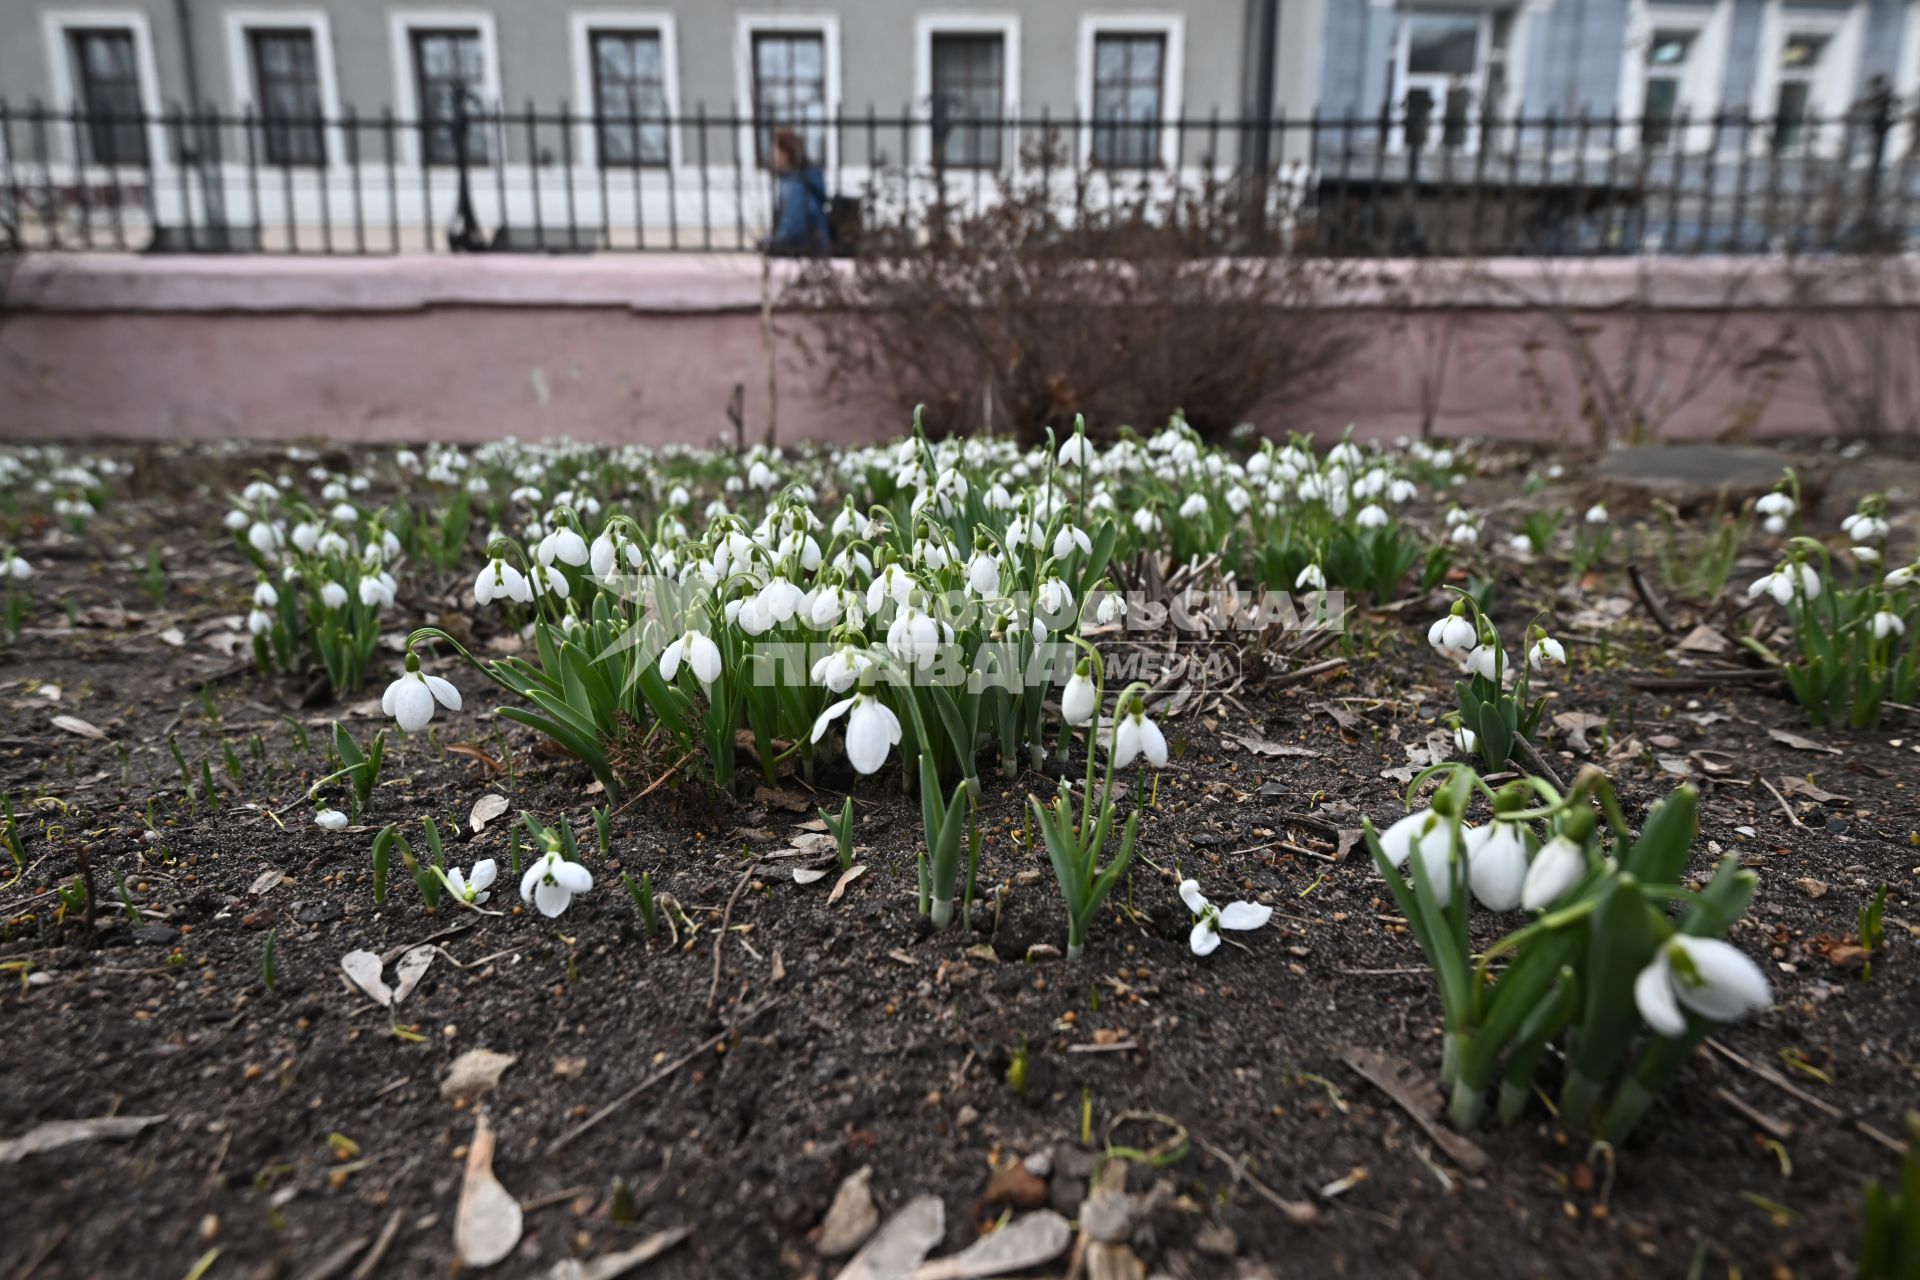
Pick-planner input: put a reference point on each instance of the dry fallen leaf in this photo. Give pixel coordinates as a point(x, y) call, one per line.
point(608, 1266)
point(485, 810)
point(363, 969)
point(51, 1135)
point(1026, 1242)
point(1577, 725)
point(487, 1224)
point(847, 877)
point(412, 967)
point(474, 1074)
point(807, 875)
point(1799, 743)
point(902, 1244)
point(74, 724)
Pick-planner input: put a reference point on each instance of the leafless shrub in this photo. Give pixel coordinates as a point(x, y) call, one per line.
point(1856, 324)
point(1075, 296)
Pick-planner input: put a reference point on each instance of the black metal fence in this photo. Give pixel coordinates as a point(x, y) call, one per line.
point(556, 181)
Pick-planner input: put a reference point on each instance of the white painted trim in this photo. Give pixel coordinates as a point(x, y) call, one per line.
point(581, 24)
point(1173, 87)
point(1702, 89)
point(401, 23)
point(1833, 91)
point(1477, 86)
point(1906, 77)
point(54, 26)
point(241, 71)
point(1005, 25)
point(746, 26)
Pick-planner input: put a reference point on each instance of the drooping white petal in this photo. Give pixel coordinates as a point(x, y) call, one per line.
point(670, 658)
point(571, 876)
point(828, 716)
point(443, 692)
point(1204, 939)
point(1497, 865)
point(1556, 868)
point(484, 873)
point(1653, 994)
point(412, 703)
point(1729, 984)
point(1244, 915)
point(1191, 895)
point(551, 898)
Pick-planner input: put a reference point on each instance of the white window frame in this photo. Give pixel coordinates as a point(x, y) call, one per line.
point(241, 22)
point(1906, 80)
point(401, 24)
point(1833, 91)
point(746, 27)
point(1476, 85)
point(1173, 89)
point(1005, 25)
point(1703, 85)
point(55, 24)
point(582, 24)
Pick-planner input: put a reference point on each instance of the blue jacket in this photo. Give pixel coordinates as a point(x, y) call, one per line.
point(800, 214)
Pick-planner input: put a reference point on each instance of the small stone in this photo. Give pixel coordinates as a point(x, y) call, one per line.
point(1042, 951)
point(317, 912)
point(967, 1117)
point(1106, 1216)
point(1039, 1164)
point(474, 1074)
point(1811, 887)
point(851, 1217)
point(1216, 1238)
point(158, 934)
point(1027, 876)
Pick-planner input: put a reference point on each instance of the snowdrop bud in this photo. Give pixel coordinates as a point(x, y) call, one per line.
point(1887, 624)
point(1310, 578)
point(1597, 514)
point(1077, 699)
point(330, 820)
point(333, 595)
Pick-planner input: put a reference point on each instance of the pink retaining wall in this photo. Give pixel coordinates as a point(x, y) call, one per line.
point(650, 349)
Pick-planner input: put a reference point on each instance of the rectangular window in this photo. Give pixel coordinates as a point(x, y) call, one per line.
point(450, 76)
point(790, 90)
point(1667, 54)
point(109, 82)
point(1129, 77)
point(286, 78)
point(969, 81)
point(1800, 57)
point(630, 97)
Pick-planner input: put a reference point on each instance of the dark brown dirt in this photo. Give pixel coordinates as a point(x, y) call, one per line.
point(886, 1046)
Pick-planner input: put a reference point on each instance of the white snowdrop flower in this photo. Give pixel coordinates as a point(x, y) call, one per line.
point(1372, 516)
point(552, 883)
point(1775, 525)
point(1077, 451)
point(1465, 740)
point(330, 543)
point(1778, 503)
point(1867, 555)
point(1901, 577)
point(344, 513)
point(780, 598)
point(1888, 624)
point(377, 591)
point(1464, 535)
point(305, 536)
point(259, 622)
point(1310, 578)
point(872, 729)
point(1069, 537)
point(1488, 661)
point(698, 651)
point(1146, 522)
point(545, 579)
point(236, 520)
point(1112, 607)
point(1078, 698)
point(762, 476)
point(1135, 734)
point(678, 497)
point(1403, 491)
point(1558, 866)
point(410, 699)
point(565, 545)
point(1055, 597)
point(259, 492)
point(983, 574)
point(330, 820)
point(472, 887)
point(333, 595)
point(840, 670)
point(263, 537)
point(1497, 864)
point(1597, 514)
point(1862, 527)
point(1432, 836)
point(1712, 978)
point(1545, 650)
point(915, 636)
point(1194, 507)
point(1209, 920)
point(1453, 634)
point(501, 581)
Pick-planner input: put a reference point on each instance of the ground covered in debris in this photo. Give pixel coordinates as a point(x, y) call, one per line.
point(790, 1063)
